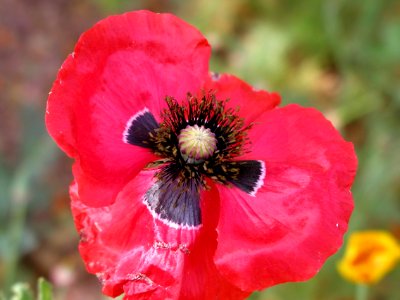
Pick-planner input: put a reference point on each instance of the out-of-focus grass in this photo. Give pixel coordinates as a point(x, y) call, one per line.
point(339, 56)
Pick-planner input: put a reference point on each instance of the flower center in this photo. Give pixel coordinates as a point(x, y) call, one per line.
point(197, 141)
point(196, 144)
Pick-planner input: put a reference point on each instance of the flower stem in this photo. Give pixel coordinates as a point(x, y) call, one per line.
point(361, 292)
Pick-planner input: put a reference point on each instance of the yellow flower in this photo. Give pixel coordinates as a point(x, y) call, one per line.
point(369, 256)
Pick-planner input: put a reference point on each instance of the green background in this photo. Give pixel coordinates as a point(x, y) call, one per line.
point(342, 57)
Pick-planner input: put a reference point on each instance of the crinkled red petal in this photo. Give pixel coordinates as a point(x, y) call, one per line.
point(251, 102)
point(120, 66)
point(134, 253)
point(299, 216)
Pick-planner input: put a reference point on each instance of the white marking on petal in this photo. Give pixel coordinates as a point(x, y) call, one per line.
point(161, 245)
point(215, 76)
point(260, 181)
point(168, 246)
point(140, 277)
point(97, 225)
point(184, 249)
point(128, 125)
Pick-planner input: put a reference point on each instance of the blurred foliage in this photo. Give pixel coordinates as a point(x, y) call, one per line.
point(342, 57)
point(22, 291)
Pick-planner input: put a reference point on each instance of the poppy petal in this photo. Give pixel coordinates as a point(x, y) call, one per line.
point(241, 94)
point(121, 66)
point(299, 215)
point(134, 253)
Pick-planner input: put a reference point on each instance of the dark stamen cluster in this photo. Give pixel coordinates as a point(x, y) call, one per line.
point(224, 122)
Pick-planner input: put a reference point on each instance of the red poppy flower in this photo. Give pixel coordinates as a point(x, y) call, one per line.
point(178, 194)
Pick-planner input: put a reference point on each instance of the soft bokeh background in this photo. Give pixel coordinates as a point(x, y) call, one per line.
point(340, 56)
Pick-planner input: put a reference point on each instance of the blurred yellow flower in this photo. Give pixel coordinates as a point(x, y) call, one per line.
point(369, 256)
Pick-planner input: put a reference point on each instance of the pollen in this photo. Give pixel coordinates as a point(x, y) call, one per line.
point(196, 143)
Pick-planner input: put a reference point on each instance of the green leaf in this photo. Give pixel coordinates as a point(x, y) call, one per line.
point(21, 291)
point(44, 290)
